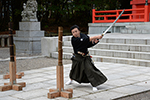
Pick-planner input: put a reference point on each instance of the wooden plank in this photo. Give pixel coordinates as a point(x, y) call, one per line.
point(22, 73)
point(6, 83)
point(54, 94)
point(18, 76)
point(69, 90)
point(52, 90)
point(5, 87)
point(23, 84)
point(6, 76)
point(7, 32)
point(17, 87)
point(66, 94)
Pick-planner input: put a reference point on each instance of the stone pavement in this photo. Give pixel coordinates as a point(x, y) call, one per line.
point(123, 80)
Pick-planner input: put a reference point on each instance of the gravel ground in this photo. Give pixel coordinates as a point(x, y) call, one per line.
point(27, 64)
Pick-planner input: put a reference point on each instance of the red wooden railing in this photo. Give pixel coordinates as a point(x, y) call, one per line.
point(129, 15)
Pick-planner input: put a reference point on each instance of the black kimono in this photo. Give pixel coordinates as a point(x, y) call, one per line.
point(83, 69)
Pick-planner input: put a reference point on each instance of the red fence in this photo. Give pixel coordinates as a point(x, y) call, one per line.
point(129, 15)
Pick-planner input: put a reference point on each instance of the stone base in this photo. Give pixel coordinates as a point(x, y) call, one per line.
point(28, 39)
point(34, 20)
point(32, 26)
point(28, 45)
point(99, 28)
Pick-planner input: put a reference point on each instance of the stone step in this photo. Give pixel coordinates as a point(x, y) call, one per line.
point(141, 41)
point(135, 31)
point(114, 53)
point(125, 41)
point(124, 47)
point(138, 26)
point(129, 61)
point(116, 46)
point(95, 28)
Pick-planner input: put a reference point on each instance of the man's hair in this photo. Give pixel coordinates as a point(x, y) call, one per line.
point(74, 26)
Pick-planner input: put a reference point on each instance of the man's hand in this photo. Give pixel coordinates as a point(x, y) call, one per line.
point(95, 38)
point(95, 41)
point(100, 36)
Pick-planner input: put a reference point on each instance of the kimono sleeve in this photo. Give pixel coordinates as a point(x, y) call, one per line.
point(90, 44)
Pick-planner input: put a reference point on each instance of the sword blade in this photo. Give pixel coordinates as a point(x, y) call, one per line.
point(113, 23)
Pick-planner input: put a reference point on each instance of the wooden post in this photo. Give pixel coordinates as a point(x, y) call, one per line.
point(18, 75)
point(146, 15)
point(60, 76)
point(60, 92)
point(93, 14)
point(12, 69)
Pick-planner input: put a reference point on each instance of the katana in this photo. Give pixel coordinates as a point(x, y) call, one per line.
point(113, 23)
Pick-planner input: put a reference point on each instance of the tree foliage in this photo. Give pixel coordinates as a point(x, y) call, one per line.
point(58, 12)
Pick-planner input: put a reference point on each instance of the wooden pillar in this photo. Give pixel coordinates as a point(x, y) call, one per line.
point(146, 18)
point(19, 74)
point(12, 68)
point(60, 92)
point(2, 42)
point(60, 79)
point(93, 14)
point(8, 42)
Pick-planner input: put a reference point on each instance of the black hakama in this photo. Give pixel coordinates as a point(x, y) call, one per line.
point(84, 71)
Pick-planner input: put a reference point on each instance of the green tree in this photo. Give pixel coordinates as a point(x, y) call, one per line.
point(58, 12)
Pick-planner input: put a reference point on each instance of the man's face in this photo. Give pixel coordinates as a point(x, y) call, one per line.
point(75, 32)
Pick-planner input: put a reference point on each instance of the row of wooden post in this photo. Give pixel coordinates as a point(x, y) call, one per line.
point(12, 75)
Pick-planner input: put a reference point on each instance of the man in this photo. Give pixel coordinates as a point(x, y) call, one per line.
point(83, 69)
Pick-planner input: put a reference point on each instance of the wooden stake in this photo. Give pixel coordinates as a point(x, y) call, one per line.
point(12, 68)
point(60, 92)
point(18, 75)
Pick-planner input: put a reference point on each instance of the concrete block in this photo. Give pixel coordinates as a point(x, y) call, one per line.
point(67, 55)
point(129, 31)
point(67, 43)
point(135, 41)
point(95, 28)
point(26, 26)
point(122, 61)
point(136, 31)
point(28, 45)
point(145, 48)
point(145, 31)
point(49, 45)
point(148, 42)
point(29, 33)
point(130, 27)
point(134, 48)
point(124, 31)
point(145, 56)
point(68, 49)
point(142, 63)
point(103, 46)
point(115, 40)
point(67, 38)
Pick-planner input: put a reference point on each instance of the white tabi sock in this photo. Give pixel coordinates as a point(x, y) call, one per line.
point(95, 89)
point(69, 82)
